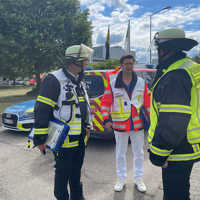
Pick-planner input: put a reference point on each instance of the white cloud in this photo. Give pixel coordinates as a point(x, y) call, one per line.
point(121, 12)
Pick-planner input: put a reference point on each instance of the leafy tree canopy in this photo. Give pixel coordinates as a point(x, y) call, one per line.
point(107, 64)
point(196, 58)
point(35, 33)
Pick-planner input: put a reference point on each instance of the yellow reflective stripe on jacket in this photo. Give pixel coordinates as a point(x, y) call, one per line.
point(68, 144)
point(184, 157)
point(81, 99)
point(75, 127)
point(46, 101)
point(175, 108)
point(118, 116)
point(195, 132)
point(40, 131)
point(150, 134)
point(86, 140)
point(196, 147)
point(160, 152)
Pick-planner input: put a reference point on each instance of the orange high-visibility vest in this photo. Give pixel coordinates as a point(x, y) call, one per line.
point(117, 104)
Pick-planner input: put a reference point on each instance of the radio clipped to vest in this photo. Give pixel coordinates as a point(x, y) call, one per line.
point(57, 132)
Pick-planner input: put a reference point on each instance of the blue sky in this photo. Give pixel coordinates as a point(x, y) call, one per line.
point(116, 13)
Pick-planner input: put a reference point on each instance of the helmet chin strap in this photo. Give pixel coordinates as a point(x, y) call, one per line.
point(81, 73)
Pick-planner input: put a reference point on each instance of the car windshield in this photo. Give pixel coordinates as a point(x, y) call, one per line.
point(95, 85)
point(148, 76)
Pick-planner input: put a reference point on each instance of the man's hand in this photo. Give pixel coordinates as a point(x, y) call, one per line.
point(87, 132)
point(165, 165)
point(42, 148)
point(108, 126)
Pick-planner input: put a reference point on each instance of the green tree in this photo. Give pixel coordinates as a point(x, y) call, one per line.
point(107, 64)
point(196, 58)
point(40, 31)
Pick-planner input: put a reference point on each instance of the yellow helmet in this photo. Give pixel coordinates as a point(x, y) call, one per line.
point(78, 52)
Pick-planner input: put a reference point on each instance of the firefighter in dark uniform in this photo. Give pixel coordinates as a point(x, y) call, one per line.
point(63, 96)
point(174, 133)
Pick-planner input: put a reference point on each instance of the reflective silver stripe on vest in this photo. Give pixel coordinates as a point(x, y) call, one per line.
point(107, 92)
point(136, 118)
point(118, 126)
point(105, 108)
point(105, 114)
point(185, 65)
point(138, 125)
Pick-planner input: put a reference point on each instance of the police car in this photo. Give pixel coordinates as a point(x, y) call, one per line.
point(20, 116)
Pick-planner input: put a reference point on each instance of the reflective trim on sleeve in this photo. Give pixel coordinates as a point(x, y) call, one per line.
point(85, 140)
point(149, 138)
point(40, 131)
point(160, 152)
point(175, 108)
point(196, 147)
point(193, 135)
point(184, 157)
point(46, 101)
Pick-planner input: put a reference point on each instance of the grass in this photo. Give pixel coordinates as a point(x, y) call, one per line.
point(12, 95)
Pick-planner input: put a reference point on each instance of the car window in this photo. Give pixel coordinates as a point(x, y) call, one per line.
point(148, 76)
point(95, 85)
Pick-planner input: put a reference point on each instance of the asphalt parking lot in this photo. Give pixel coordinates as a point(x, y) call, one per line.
point(25, 174)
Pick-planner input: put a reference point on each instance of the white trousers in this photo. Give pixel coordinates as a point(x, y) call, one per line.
point(137, 143)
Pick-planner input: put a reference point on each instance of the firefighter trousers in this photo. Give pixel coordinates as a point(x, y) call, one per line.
point(176, 181)
point(68, 166)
